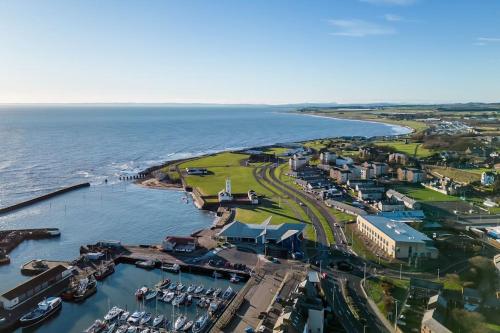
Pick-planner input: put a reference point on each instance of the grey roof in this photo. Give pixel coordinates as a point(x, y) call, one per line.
point(432, 320)
point(400, 197)
point(278, 232)
point(404, 215)
point(397, 231)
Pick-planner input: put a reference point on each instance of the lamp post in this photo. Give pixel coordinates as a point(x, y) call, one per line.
point(396, 318)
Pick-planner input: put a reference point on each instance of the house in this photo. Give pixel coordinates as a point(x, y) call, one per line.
point(407, 201)
point(396, 239)
point(411, 175)
point(398, 158)
point(327, 158)
point(297, 162)
point(179, 244)
point(355, 170)
point(487, 178)
point(367, 172)
point(341, 176)
point(196, 171)
point(36, 288)
point(371, 193)
point(444, 185)
point(288, 235)
point(434, 320)
point(341, 161)
point(379, 168)
point(343, 207)
point(225, 194)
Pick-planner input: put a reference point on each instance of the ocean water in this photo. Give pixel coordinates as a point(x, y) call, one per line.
point(43, 148)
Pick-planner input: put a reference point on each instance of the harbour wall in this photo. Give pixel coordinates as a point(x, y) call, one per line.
point(29, 202)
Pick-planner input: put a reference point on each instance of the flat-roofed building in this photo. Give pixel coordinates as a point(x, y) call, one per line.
point(36, 287)
point(396, 239)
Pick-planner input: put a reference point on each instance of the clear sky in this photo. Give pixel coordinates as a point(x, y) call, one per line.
point(249, 51)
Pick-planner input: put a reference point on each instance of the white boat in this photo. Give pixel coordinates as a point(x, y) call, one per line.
point(180, 286)
point(199, 289)
point(132, 329)
point(171, 268)
point(158, 320)
point(217, 292)
point(124, 316)
point(187, 326)
point(44, 310)
point(173, 286)
point(180, 322)
point(200, 324)
point(145, 318)
point(191, 288)
point(228, 293)
point(169, 297)
point(135, 318)
point(146, 330)
point(201, 302)
point(213, 307)
point(113, 313)
point(122, 329)
point(97, 327)
point(150, 294)
point(179, 299)
point(234, 278)
point(209, 291)
point(189, 299)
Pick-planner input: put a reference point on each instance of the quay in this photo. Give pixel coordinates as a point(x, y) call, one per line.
point(10, 239)
point(29, 202)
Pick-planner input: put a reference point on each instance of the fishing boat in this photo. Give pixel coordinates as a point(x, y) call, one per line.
point(44, 310)
point(228, 293)
point(200, 324)
point(150, 295)
point(209, 291)
point(97, 327)
point(124, 316)
point(104, 270)
point(122, 329)
point(135, 318)
point(175, 268)
point(147, 317)
point(191, 288)
point(113, 313)
point(139, 293)
point(146, 264)
point(187, 326)
point(169, 297)
point(162, 284)
point(158, 320)
point(86, 288)
point(217, 292)
point(180, 286)
point(180, 322)
point(213, 307)
point(199, 289)
point(179, 299)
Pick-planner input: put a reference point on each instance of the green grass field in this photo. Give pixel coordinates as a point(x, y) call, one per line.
point(408, 149)
point(420, 193)
point(460, 175)
point(383, 290)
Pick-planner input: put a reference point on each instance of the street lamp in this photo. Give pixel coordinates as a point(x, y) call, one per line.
point(396, 319)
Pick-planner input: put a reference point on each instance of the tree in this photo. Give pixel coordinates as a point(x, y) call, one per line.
point(468, 322)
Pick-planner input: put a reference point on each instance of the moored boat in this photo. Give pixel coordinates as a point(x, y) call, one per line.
point(191, 288)
point(200, 324)
point(139, 293)
point(43, 311)
point(187, 326)
point(122, 329)
point(86, 288)
point(169, 297)
point(209, 291)
point(178, 300)
point(111, 328)
point(150, 295)
point(175, 268)
point(105, 270)
point(199, 289)
point(135, 318)
point(146, 264)
point(217, 292)
point(113, 313)
point(145, 319)
point(124, 316)
point(180, 322)
point(228, 293)
point(162, 284)
point(158, 320)
point(180, 286)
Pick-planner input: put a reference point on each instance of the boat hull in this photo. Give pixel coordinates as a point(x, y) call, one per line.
point(47, 315)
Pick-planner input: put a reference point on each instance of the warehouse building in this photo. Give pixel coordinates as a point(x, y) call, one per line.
point(397, 239)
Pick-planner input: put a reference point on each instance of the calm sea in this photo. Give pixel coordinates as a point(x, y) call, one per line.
point(43, 148)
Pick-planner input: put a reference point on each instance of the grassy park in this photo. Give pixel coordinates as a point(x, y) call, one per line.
point(410, 149)
point(420, 193)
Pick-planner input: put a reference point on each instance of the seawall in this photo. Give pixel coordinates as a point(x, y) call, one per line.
point(29, 202)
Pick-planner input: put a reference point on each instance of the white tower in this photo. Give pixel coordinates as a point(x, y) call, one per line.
point(228, 186)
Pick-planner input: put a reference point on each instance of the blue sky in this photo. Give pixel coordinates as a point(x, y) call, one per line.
point(250, 51)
